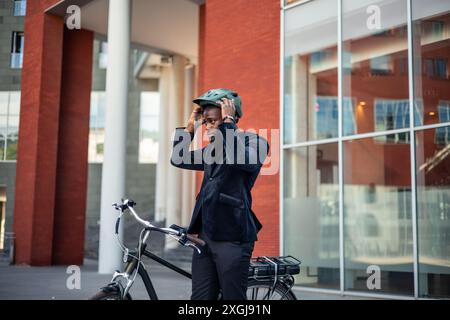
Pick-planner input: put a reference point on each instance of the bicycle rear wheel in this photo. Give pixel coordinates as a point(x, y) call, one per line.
point(263, 290)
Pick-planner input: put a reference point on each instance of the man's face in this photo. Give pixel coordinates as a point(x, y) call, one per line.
point(212, 118)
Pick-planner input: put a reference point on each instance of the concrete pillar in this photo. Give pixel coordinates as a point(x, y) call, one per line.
point(114, 163)
point(188, 177)
point(175, 111)
point(163, 146)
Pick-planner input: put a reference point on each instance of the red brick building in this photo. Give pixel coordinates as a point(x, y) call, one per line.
point(54, 130)
point(358, 92)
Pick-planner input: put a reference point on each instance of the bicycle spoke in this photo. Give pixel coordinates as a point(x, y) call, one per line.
point(266, 291)
point(266, 297)
point(254, 296)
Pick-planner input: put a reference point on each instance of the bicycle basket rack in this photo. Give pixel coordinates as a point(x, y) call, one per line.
point(261, 267)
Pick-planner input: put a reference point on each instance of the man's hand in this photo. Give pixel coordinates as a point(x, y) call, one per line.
point(196, 116)
point(228, 108)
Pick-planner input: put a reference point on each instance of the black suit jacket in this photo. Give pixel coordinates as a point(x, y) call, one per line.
point(223, 205)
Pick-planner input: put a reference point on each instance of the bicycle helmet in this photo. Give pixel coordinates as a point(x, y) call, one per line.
point(212, 96)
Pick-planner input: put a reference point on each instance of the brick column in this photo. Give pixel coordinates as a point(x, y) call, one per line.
point(73, 140)
point(38, 135)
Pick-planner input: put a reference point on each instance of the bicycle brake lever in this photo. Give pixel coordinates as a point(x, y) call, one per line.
point(193, 246)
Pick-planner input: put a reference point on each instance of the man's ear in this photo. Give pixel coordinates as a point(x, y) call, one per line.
point(237, 119)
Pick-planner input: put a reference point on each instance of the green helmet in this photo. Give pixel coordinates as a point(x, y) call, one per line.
point(212, 96)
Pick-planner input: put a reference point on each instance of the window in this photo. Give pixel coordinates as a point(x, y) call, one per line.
point(433, 28)
point(17, 50)
point(431, 55)
point(20, 8)
point(97, 127)
point(433, 211)
point(311, 204)
point(310, 71)
point(9, 124)
point(392, 115)
point(380, 232)
point(311, 112)
point(381, 65)
point(149, 127)
point(103, 55)
point(327, 116)
point(372, 59)
point(442, 135)
point(436, 68)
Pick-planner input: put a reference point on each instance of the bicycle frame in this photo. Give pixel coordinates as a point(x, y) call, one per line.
point(132, 263)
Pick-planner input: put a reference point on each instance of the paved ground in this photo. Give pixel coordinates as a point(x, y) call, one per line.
point(42, 283)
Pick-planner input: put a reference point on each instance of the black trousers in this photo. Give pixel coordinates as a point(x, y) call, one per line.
point(222, 265)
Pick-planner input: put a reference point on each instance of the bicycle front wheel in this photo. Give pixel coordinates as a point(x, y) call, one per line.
point(263, 290)
point(110, 293)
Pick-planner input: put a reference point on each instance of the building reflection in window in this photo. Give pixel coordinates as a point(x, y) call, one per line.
point(326, 116)
point(375, 61)
point(310, 94)
point(433, 211)
point(431, 52)
point(311, 209)
point(377, 186)
point(377, 215)
point(392, 115)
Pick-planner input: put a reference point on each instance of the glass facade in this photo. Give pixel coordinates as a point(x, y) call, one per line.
point(366, 144)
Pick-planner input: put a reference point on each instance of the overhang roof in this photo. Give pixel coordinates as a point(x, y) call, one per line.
point(160, 26)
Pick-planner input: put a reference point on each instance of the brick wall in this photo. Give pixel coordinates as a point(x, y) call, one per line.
point(240, 50)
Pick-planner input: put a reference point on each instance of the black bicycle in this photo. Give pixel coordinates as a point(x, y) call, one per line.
point(270, 278)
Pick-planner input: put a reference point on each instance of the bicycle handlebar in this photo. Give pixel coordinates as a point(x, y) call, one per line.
point(180, 232)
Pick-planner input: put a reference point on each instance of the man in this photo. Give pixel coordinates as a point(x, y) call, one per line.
point(222, 216)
